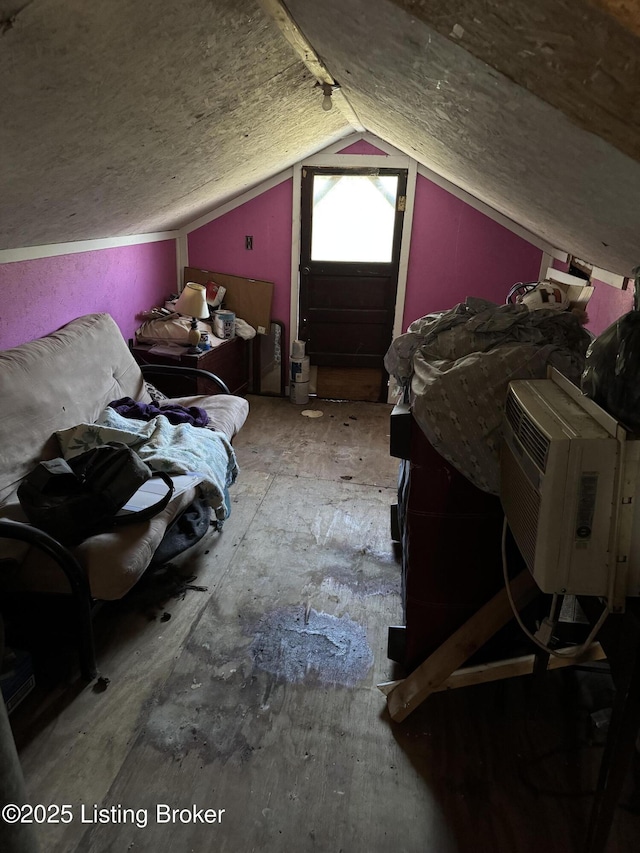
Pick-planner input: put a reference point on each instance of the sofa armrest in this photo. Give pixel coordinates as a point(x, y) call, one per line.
point(77, 581)
point(151, 369)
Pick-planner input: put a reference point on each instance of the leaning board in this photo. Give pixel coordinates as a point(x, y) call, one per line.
point(250, 299)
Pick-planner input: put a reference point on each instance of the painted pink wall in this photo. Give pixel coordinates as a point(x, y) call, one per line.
point(39, 296)
point(220, 245)
point(607, 303)
point(456, 252)
point(362, 147)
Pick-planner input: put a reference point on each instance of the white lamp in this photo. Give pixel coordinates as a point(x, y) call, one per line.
point(192, 302)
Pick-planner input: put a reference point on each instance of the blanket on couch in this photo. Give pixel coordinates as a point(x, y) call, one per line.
point(172, 448)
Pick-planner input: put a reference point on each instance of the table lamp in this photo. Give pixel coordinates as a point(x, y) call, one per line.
point(192, 302)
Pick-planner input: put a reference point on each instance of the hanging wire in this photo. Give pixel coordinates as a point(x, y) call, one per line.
point(519, 289)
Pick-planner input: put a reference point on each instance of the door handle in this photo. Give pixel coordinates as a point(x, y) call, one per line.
point(305, 270)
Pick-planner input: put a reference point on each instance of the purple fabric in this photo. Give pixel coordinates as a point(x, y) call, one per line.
point(175, 414)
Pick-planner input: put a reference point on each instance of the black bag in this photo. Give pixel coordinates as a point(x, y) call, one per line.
point(612, 366)
point(80, 497)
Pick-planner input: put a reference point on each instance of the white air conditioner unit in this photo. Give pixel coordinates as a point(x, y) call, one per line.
point(568, 488)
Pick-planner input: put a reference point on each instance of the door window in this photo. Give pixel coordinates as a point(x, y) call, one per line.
point(353, 218)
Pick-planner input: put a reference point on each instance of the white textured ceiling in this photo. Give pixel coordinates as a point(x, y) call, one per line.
point(123, 117)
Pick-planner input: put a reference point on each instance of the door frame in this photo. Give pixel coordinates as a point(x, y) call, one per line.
point(331, 158)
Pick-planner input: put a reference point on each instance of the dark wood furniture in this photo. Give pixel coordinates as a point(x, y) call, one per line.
point(438, 521)
point(231, 361)
point(442, 521)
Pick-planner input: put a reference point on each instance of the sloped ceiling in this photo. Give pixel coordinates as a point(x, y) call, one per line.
point(120, 118)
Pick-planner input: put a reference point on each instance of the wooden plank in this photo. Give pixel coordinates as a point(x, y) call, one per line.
point(500, 669)
point(250, 299)
point(406, 697)
point(611, 278)
point(513, 667)
point(305, 51)
point(297, 39)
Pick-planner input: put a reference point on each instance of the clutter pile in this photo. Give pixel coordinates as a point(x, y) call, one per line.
point(456, 367)
point(166, 325)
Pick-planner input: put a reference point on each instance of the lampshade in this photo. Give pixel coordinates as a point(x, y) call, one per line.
point(192, 302)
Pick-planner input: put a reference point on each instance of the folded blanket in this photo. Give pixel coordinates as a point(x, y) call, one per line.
point(174, 449)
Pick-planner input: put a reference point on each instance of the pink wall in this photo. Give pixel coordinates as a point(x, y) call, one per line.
point(41, 295)
point(457, 251)
point(607, 303)
point(362, 147)
point(220, 245)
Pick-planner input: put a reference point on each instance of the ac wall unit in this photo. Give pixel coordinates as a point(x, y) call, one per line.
point(568, 488)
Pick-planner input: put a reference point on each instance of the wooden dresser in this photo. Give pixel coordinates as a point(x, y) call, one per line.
point(229, 360)
point(450, 535)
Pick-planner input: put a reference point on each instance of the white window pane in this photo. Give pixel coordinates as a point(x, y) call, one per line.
point(353, 217)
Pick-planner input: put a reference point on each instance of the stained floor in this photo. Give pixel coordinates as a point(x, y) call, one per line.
point(253, 693)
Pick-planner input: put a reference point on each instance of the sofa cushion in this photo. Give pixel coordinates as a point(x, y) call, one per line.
point(227, 413)
point(53, 384)
point(56, 382)
point(113, 561)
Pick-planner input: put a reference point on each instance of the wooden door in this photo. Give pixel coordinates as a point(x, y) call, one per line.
point(351, 228)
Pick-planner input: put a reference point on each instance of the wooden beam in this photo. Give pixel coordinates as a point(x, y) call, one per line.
point(460, 646)
point(513, 667)
point(297, 39)
point(301, 45)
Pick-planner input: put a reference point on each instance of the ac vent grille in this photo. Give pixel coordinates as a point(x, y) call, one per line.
point(528, 433)
point(522, 505)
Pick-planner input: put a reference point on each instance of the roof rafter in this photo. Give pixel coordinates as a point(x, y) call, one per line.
point(277, 10)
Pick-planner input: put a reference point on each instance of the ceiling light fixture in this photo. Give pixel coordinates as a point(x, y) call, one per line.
point(327, 91)
point(327, 103)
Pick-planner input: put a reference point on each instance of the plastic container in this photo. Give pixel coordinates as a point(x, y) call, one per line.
point(299, 392)
point(299, 369)
point(298, 349)
point(224, 324)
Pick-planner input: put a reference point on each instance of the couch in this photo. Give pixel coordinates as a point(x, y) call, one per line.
point(54, 383)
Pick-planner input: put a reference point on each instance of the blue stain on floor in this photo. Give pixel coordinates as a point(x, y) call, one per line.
point(298, 645)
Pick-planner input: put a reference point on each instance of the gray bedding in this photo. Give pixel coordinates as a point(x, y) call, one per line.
point(458, 365)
